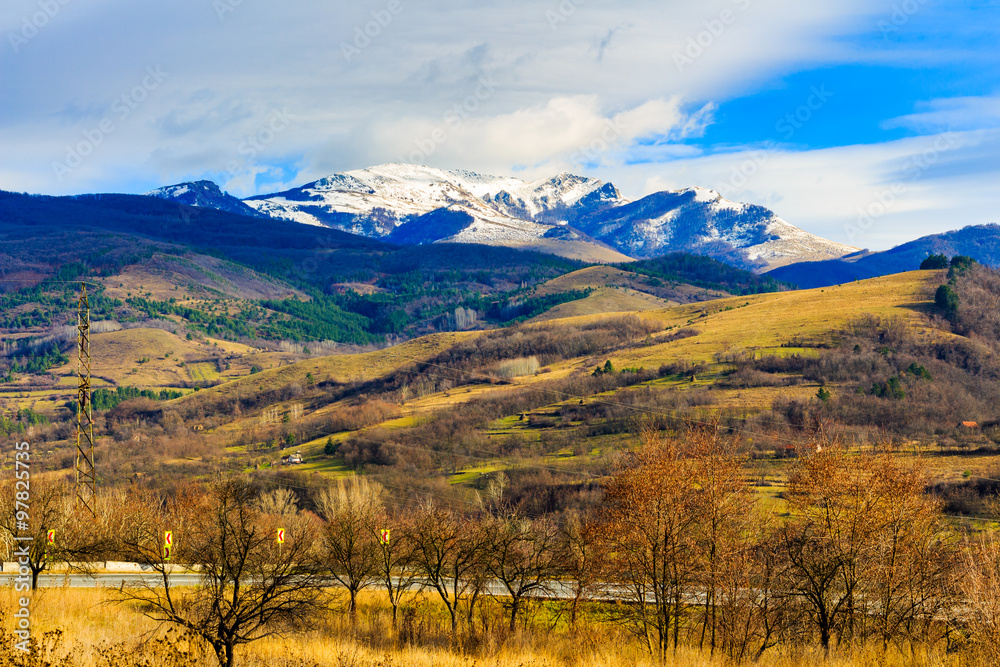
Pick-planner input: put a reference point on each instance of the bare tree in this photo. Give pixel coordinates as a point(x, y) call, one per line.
point(651, 526)
point(754, 610)
point(523, 558)
point(447, 553)
point(279, 502)
point(581, 558)
point(868, 552)
point(725, 521)
point(250, 586)
point(979, 582)
point(349, 543)
point(25, 531)
point(394, 557)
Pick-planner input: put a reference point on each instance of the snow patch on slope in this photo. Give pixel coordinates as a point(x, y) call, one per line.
point(504, 210)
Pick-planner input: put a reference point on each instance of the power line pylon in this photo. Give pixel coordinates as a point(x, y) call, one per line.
point(86, 475)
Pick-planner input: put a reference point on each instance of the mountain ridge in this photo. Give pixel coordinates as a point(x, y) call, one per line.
point(981, 242)
point(204, 194)
point(566, 214)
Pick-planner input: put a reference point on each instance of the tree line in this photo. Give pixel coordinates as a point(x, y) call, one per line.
point(679, 549)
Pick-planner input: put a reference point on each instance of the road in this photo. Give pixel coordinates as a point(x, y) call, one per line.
point(106, 579)
point(553, 590)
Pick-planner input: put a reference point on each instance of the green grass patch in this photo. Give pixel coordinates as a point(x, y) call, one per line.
point(203, 371)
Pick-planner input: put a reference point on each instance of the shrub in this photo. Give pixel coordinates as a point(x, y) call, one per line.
point(607, 369)
point(946, 299)
point(749, 377)
point(934, 262)
point(517, 368)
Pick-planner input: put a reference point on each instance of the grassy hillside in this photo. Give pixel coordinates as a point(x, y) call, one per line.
point(614, 290)
point(605, 300)
point(583, 251)
point(780, 324)
point(457, 406)
point(166, 277)
point(788, 319)
point(543, 418)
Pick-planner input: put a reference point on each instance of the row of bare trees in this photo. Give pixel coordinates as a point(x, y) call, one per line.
point(252, 583)
point(859, 552)
point(682, 551)
point(458, 555)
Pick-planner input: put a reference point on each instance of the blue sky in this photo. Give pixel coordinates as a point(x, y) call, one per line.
point(867, 122)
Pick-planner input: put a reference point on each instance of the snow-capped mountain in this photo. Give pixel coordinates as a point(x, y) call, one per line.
point(567, 214)
point(377, 200)
point(696, 219)
point(204, 194)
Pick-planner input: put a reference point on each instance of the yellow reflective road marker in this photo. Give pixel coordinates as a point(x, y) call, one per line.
point(384, 535)
point(168, 544)
point(281, 536)
point(50, 541)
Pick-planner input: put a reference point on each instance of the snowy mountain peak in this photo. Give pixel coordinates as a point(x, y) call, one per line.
point(408, 203)
point(705, 195)
point(203, 194)
point(208, 188)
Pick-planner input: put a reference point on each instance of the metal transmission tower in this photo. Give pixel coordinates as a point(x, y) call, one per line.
point(86, 476)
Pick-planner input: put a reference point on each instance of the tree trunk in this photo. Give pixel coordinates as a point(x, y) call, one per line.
point(677, 620)
point(225, 652)
point(472, 610)
point(513, 614)
point(353, 607)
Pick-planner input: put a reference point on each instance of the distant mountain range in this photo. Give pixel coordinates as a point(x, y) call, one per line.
point(569, 215)
point(575, 217)
point(981, 242)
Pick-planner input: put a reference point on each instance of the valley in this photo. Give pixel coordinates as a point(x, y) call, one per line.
point(325, 381)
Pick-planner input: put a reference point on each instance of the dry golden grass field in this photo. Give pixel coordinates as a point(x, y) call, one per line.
point(340, 367)
point(75, 627)
point(605, 300)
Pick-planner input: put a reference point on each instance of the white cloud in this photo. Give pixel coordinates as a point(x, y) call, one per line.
point(602, 91)
point(227, 73)
point(544, 139)
point(955, 113)
point(873, 196)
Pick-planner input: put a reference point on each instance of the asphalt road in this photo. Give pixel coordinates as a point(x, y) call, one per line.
point(558, 590)
point(555, 589)
point(106, 579)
